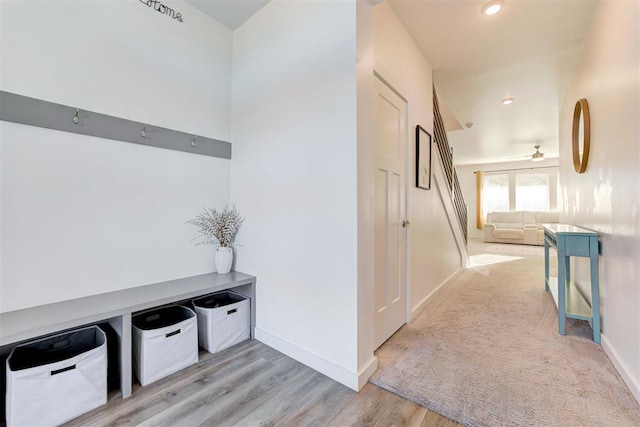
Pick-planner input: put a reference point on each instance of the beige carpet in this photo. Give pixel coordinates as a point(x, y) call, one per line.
point(477, 246)
point(488, 353)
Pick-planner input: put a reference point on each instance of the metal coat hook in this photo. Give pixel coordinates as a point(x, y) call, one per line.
point(76, 120)
point(143, 132)
point(193, 141)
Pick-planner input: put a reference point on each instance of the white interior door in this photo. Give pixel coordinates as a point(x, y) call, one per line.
point(390, 127)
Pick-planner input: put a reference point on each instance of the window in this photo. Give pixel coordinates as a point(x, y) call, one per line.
point(526, 189)
point(532, 192)
point(495, 193)
point(518, 190)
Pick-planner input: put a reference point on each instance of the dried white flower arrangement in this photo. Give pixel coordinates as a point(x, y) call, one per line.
point(218, 227)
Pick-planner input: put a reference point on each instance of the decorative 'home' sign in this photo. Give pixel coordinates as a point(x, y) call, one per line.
point(162, 8)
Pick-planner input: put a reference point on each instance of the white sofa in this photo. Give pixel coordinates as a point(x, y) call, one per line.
point(520, 227)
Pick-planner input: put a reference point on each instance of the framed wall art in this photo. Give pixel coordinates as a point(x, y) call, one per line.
point(423, 158)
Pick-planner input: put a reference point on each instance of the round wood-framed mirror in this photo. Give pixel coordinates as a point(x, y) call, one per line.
point(581, 135)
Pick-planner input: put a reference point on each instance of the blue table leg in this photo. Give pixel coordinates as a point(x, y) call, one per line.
point(563, 261)
point(546, 265)
point(595, 288)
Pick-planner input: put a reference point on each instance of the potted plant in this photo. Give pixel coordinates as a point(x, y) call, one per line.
point(219, 228)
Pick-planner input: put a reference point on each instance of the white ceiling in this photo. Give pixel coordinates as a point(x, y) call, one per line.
point(527, 51)
point(231, 13)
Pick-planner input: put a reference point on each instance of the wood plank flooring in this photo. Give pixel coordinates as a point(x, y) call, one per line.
point(252, 384)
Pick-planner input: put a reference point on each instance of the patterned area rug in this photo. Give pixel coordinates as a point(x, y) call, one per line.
point(488, 353)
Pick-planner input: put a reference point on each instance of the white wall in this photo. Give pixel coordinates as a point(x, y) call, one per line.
point(83, 215)
point(606, 197)
point(294, 177)
point(367, 362)
point(123, 59)
point(467, 179)
point(434, 256)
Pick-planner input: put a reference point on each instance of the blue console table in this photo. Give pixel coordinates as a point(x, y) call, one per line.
point(572, 241)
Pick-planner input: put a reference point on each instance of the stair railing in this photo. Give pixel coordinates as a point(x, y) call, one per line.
point(446, 155)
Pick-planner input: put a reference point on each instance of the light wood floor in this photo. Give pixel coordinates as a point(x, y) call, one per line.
point(253, 385)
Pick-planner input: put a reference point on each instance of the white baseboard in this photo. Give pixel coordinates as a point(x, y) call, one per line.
point(436, 294)
point(632, 383)
point(367, 371)
point(353, 380)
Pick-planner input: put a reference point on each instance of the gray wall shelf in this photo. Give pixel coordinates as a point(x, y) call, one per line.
point(36, 112)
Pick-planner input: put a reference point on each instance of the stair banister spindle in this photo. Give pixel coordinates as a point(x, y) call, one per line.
point(446, 156)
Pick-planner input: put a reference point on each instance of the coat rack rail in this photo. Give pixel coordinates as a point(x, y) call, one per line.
point(36, 112)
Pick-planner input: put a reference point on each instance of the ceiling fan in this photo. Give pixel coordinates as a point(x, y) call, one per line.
point(538, 156)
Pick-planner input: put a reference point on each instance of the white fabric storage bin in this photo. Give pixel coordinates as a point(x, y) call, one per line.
point(224, 319)
point(165, 340)
point(55, 379)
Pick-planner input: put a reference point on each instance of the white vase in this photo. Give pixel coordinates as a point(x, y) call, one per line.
point(223, 259)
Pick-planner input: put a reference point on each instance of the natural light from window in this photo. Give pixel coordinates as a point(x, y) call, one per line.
point(524, 189)
point(495, 193)
point(532, 192)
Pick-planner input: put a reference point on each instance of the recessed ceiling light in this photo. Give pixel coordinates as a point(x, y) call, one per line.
point(492, 7)
point(468, 125)
point(507, 101)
